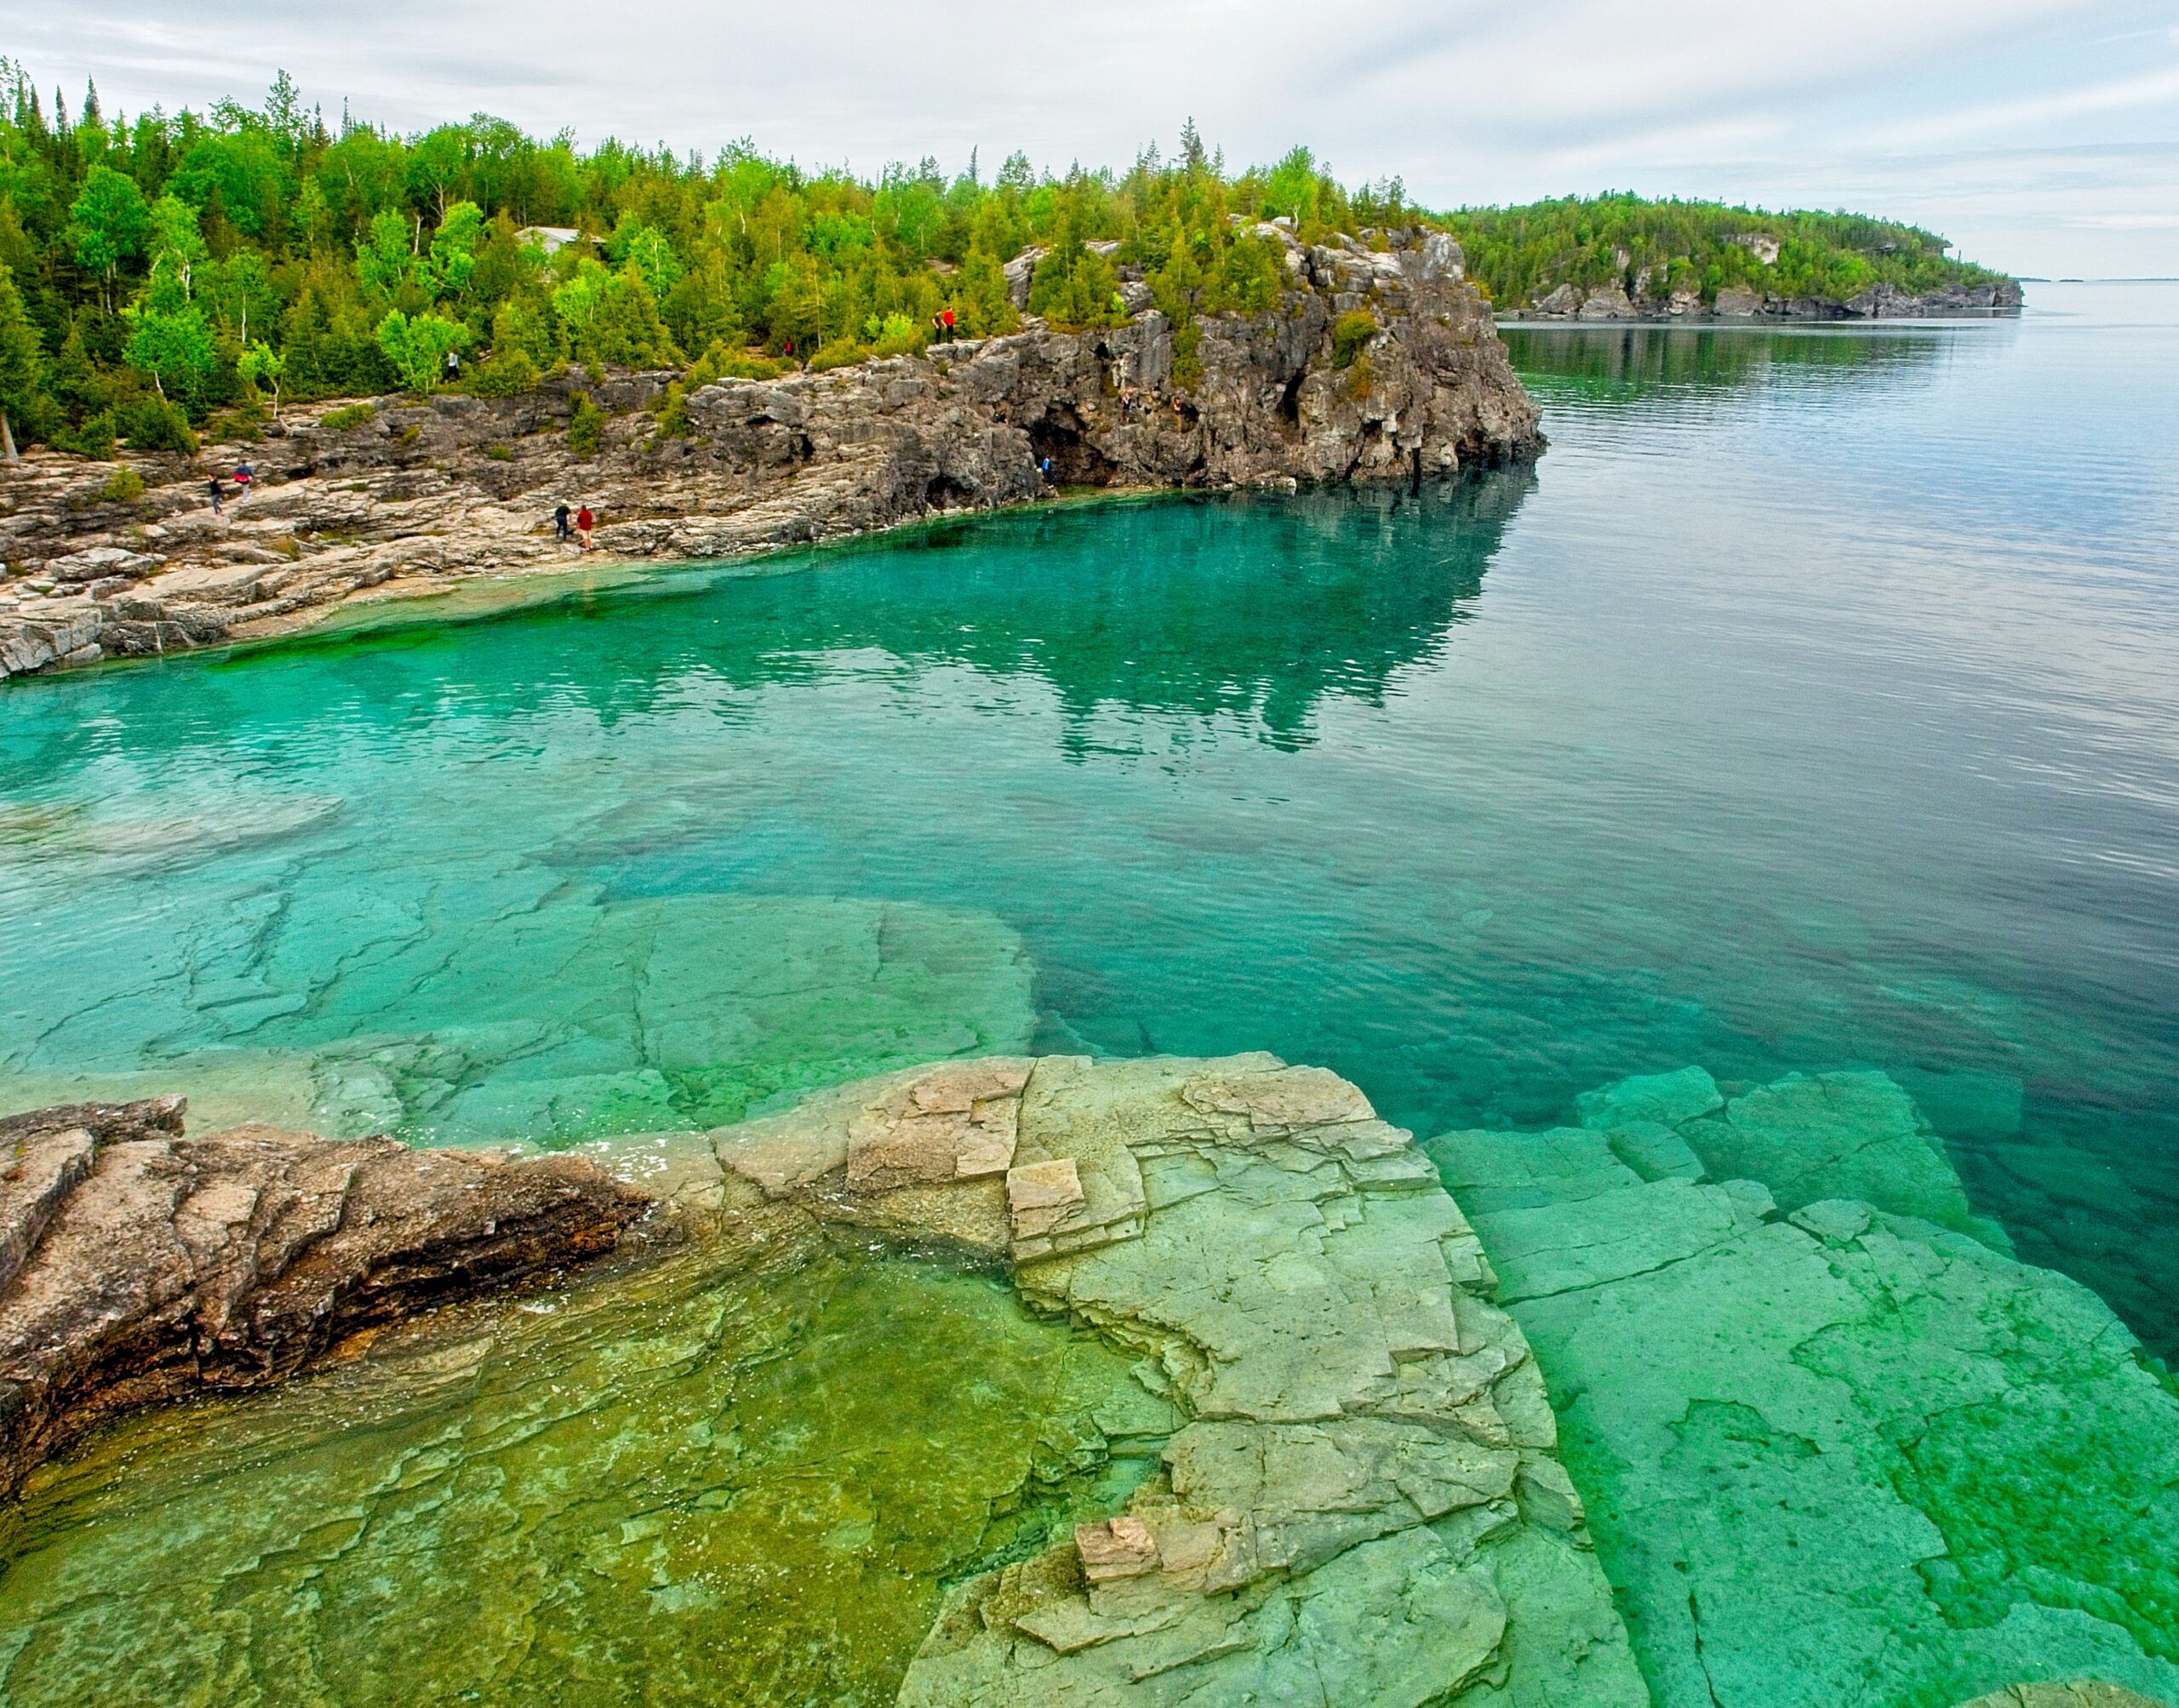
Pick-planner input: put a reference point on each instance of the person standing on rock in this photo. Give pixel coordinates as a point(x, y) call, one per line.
point(454, 367)
point(219, 496)
point(244, 474)
point(561, 531)
point(946, 320)
point(583, 522)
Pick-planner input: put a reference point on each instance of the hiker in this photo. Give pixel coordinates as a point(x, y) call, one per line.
point(244, 474)
point(219, 496)
point(561, 531)
point(454, 367)
point(946, 319)
point(1044, 468)
point(937, 327)
point(583, 522)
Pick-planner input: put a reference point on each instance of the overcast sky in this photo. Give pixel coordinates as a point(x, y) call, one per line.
point(2040, 135)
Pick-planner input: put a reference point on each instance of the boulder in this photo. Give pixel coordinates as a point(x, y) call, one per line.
point(140, 1264)
point(101, 562)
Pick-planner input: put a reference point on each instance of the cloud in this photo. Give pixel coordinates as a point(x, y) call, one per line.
point(1881, 106)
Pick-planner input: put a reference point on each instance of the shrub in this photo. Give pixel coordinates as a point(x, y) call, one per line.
point(840, 353)
point(1358, 378)
point(353, 416)
point(153, 424)
point(586, 426)
point(499, 454)
point(93, 439)
point(508, 375)
point(673, 422)
point(122, 486)
point(1351, 335)
point(724, 362)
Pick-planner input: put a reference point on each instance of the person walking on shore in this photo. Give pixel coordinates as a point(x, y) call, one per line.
point(244, 474)
point(561, 531)
point(583, 522)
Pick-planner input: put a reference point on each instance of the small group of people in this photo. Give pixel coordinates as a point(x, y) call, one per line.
point(575, 526)
point(243, 475)
point(941, 327)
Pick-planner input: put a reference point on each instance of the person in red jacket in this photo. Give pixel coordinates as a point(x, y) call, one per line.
point(583, 522)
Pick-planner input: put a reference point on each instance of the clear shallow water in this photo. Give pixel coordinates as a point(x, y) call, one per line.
point(1814, 703)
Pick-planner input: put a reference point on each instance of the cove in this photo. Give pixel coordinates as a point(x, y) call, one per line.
point(1799, 714)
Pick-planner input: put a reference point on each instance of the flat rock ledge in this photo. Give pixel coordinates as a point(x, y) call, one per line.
point(403, 496)
point(1364, 1505)
point(140, 1265)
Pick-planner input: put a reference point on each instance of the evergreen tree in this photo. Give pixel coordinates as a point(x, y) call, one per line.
point(22, 367)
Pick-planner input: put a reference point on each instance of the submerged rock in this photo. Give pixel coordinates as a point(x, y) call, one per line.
point(1364, 1503)
point(1837, 1455)
point(139, 1264)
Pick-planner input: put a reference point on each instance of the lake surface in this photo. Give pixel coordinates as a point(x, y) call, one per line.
point(1814, 702)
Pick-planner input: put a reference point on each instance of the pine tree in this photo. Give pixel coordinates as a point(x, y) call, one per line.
point(22, 366)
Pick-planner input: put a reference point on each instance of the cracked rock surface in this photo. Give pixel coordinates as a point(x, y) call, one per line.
point(1838, 1452)
point(138, 1264)
point(1363, 1503)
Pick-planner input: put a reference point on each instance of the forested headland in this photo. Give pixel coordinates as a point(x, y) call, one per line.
point(159, 270)
point(1660, 249)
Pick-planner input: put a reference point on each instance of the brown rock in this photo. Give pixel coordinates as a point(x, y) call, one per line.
point(139, 1264)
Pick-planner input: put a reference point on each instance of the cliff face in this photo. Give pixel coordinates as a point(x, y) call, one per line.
point(418, 492)
point(1880, 302)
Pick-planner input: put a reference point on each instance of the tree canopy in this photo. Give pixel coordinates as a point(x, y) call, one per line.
point(1653, 248)
point(170, 266)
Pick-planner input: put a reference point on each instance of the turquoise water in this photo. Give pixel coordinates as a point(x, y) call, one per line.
point(1815, 702)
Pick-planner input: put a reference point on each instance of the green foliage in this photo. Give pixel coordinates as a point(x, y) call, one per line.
point(154, 424)
point(354, 415)
point(156, 254)
point(171, 345)
point(586, 426)
point(843, 352)
point(23, 399)
point(720, 363)
point(1653, 248)
point(262, 365)
point(109, 222)
point(417, 346)
point(673, 422)
point(122, 486)
point(1350, 336)
point(509, 373)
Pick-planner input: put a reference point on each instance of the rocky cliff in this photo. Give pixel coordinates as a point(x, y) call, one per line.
point(1740, 303)
point(139, 1264)
point(414, 493)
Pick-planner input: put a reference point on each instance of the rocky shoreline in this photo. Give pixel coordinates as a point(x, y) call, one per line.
point(397, 495)
point(1741, 304)
point(137, 1265)
point(1723, 1399)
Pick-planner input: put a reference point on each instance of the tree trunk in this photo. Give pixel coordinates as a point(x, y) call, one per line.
point(7, 439)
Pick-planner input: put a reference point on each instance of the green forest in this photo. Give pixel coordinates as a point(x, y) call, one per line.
point(1655, 248)
point(159, 271)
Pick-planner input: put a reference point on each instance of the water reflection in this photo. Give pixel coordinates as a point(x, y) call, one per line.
point(1626, 362)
